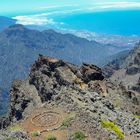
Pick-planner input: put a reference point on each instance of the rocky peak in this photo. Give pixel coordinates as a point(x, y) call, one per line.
point(16, 29)
point(48, 80)
point(126, 76)
point(49, 75)
point(77, 89)
point(16, 26)
point(49, 62)
point(91, 72)
point(57, 68)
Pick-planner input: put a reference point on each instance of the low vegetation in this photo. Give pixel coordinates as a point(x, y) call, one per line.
point(79, 135)
point(51, 137)
point(138, 117)
point(117, 102)
point(35, 134)
point(14, 128)
point(68, 120)
point(11, 138)
point(112, 127)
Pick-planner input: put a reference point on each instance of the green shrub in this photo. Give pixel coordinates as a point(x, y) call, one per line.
point(138, 117)
point(111, 126)
point(51, 137)
point(35, 134)
point(14, 128)
point(67, 121)
point(78, 135)
point(11, 138)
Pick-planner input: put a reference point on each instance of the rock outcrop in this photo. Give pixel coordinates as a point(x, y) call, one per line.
point(49, 75)
point(18, 135)
point(82, 90)
point(23, 98)
point(125, 74)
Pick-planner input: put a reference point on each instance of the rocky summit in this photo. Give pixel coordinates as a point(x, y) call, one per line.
point(68, 102)
point(124, 73)
point(20, 46)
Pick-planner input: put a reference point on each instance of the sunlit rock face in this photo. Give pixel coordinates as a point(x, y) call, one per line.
point(82, 90)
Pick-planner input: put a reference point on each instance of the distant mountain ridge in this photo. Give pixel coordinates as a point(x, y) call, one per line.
point(128, 60)
point(20, 46)
point(129, 67)
point(5, 22)
point(125, 73)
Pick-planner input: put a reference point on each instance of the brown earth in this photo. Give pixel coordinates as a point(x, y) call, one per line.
point(40, 122)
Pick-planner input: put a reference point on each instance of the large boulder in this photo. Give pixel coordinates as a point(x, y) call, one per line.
point(132, 70)
point(23, 98)
point(49, 74)
point(91, 73)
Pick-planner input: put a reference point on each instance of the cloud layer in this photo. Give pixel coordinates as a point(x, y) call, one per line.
point(47, 12)
point(34, 20)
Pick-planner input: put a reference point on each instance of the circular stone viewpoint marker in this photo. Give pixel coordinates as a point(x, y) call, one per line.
point(49, 120)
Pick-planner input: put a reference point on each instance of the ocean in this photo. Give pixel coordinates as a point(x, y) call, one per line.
point(121, 22)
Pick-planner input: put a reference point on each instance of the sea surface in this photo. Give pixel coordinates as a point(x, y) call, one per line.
point(121, 22)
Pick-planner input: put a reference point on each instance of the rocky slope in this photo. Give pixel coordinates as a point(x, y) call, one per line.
point(47, 78)
point(126, 72)
point(20, 47)
point(129, 71)
point(81, 90)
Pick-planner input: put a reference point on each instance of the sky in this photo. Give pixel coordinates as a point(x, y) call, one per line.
point(42, 12)
point(23, 6)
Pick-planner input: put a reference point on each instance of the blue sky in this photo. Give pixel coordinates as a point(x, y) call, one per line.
point(12, 6)
point(41, 12)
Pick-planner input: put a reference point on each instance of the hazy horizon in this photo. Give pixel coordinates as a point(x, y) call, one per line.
point(65, 14)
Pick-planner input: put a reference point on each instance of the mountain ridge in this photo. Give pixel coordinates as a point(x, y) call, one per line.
point(58, 87)
point(5, 22)
point(125, 73)
point(20, 47)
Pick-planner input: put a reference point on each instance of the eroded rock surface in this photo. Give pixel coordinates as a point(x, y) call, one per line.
point(82, 90)
point(125, 75)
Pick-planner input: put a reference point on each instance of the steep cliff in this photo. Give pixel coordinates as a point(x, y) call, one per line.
point(125, 75)
point(69, 89)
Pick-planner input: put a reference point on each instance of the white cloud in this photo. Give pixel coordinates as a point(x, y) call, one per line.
point(50, 7)
point(46, 18)
point(101, 6)
point(43, 18)
point(34, 20)
point(56, 7)
point(118, 5)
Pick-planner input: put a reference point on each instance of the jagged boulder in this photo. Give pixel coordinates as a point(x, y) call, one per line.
point(132, 70)
point(49, 74)
point(15, 135)
point(23, 98)
point(91, 73)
